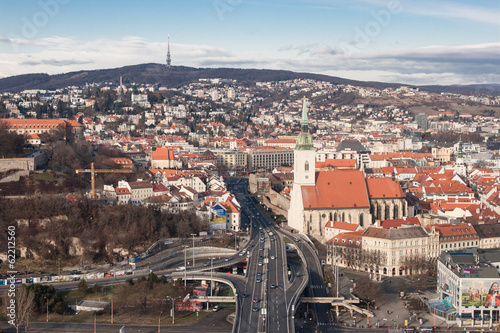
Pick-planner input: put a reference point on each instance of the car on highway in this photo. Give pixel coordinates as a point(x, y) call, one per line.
point(259, 273)
point(180, 268)
point(273, 286)
point(260, 263)
point(255, 300)
point(216, 308)
point(255, 309)
point(228, 258)
point(273, 257)
point(206, 264)
point(259, 280)
point(244, 294)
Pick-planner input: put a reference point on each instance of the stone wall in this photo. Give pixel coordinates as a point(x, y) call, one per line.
point(30, 163)
point(279, 202)
point(7, 164)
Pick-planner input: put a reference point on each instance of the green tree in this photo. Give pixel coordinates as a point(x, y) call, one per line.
point(82, 286)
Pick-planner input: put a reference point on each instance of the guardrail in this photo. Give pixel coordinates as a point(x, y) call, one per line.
point(305, 281)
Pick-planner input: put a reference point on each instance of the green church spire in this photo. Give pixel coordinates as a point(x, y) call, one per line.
point(304, 140)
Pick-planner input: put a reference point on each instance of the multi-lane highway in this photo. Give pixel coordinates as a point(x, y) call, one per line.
point(269, 292)
point(267, 296)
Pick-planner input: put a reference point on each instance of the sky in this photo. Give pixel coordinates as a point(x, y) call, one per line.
point(406, 41)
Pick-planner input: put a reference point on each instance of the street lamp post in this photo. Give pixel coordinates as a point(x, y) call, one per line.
point(368, 314)
point(211, 275)
point(193, 247)
point(112, 315)
point(173, 310)
point(47, 308)
point(185, 265)
point(159, 322)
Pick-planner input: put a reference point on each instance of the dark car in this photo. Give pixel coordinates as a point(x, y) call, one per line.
point(273, 286)
point(255, 309)
point(255, 300)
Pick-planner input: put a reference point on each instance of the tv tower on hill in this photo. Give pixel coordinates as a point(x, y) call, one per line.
point(168, 53)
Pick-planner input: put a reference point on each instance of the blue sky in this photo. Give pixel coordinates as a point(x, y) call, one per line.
point(407, 41)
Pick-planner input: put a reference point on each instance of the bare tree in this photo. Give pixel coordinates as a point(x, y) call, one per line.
point(25, 305)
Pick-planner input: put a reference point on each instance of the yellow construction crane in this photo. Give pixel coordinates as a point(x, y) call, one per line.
point(93, 171)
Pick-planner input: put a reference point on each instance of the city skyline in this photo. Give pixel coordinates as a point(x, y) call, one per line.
point(430, 42)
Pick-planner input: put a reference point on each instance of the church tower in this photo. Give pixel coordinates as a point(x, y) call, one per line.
point(304, 155)
point(304, 172)
point(168, 53)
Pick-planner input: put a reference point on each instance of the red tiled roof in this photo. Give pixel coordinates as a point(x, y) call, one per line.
point(337, 163)
point(449, 230)
point(336, 189)
point(348, 239)
point(163, 154)
point(396, 223)
point(122, 191)
point(121, 160)
point(384, 188)
point(342, 225)
point(73, 123)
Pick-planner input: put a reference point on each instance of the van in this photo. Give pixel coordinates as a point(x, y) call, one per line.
point(426, 329)
point(180, 268)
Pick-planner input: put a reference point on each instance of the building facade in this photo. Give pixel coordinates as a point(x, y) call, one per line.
point(467, 288)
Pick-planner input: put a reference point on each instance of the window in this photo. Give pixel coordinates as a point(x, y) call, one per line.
point(306, 166)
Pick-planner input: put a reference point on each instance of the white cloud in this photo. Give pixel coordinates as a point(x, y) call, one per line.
point(426, 65)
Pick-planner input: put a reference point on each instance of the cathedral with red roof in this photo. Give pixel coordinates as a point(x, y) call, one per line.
point(343, 195)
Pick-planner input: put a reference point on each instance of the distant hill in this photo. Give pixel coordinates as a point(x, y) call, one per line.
point(180, 75)
point(472, 89)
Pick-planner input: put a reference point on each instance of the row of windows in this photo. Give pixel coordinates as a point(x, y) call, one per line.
point(34, 126)
point(445, 246)
point(401, 244)
point(272, 158)
point(458, 237)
